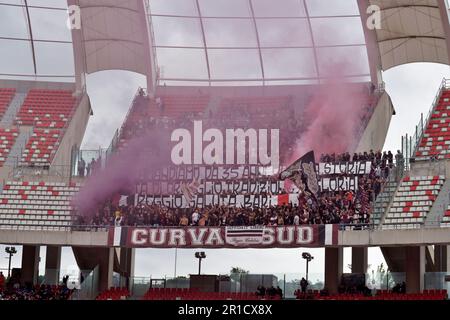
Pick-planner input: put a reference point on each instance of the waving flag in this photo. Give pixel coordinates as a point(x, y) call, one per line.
point(190, 190)
point(303, 173)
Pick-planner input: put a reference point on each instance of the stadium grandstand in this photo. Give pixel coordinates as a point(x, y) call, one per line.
point(253, 130)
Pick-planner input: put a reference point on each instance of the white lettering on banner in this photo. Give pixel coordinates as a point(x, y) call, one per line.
point(197, 172)
point(228, 237)
point(281, 232)
point(339, 183)
point(177, 237)
point(162, 236)
point(304, 235)
point(247, 201)
point(139, 236)
point(213, 187)
point(214, 237)
point(197, 235)
point(354, 168)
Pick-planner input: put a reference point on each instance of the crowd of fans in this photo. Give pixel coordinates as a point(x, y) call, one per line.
point(87, 169)
point(43, 292)
point(347, 207)
point(271, 292)
point(327, 207)
point(379, 159)
point(14, 288)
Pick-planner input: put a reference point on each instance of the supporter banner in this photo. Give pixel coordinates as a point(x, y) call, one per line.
point(200, 201)
point(191, 172)
point(213, 187)
point(354, 168)
point(224, 237)
point(339, 183)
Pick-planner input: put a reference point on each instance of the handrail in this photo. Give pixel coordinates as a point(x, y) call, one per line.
point(393, 176)
point(119, 131)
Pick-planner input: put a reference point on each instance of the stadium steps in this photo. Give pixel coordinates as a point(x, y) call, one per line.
point(412, 202)
point(16, 151)
point(394, 187)
point(384, 200)
point(14, 107)
point(439, 208)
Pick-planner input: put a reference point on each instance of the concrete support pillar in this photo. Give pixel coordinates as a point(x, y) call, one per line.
point(359, 259)
point(333, 268)
point(440, 258)
point(30, 264)
point(127, 257)
point(105, 270)
point(415, 269)
point(447, 258)
point(52, 265)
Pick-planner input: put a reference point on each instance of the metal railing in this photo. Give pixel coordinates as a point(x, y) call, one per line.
point(394, 176)
point(59, 172)
point(409, 144)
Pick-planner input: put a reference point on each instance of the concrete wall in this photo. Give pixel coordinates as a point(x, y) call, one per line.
point(423, 236)
point(76, 238)
point(24, 86)
point(376, 131)
point(430, 168)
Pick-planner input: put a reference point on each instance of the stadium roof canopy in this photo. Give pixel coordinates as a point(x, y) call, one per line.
point(34, 41)
point(411, 31)
point(220, 42)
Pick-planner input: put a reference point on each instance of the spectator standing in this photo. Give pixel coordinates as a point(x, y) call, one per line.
point(303, 285)
point(81, 167)
point(184, 221)
point(2, 281)
point(399, 161)
point(195, 217)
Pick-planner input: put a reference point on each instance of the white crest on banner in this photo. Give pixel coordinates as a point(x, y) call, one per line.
point(244, 236)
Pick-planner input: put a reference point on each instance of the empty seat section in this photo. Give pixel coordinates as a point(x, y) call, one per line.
point(37, 205)
point(436, 138)
point(6, 96)
point(7, 140)
point(49, 112)
point(413, 201)
point(41, 147)
point(446, 218)
point(46, 108)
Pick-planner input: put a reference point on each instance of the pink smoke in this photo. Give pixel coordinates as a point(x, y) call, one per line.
point(143, 155)
point(333, 117)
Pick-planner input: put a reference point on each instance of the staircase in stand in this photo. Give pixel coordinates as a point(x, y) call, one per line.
point(10, 114)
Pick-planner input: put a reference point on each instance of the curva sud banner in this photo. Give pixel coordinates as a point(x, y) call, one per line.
point(224, 237)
